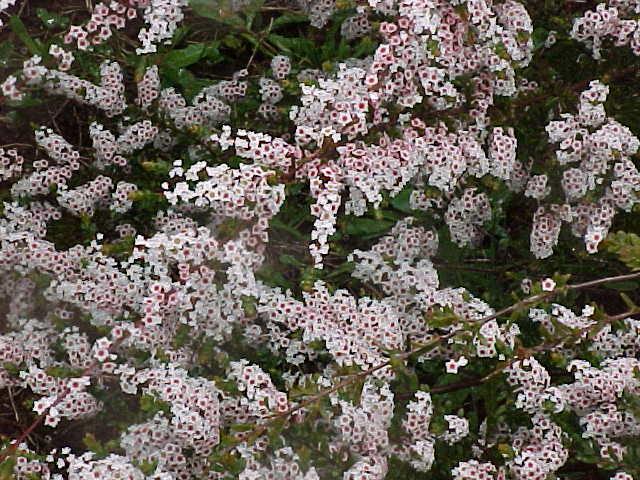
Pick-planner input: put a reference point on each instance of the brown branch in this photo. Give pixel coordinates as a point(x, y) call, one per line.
point(13, 404)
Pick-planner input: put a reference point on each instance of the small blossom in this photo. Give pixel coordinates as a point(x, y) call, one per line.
point(548, 285)
point(452, 365)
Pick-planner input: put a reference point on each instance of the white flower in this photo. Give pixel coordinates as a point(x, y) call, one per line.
point(548, 285)
point(453, 365)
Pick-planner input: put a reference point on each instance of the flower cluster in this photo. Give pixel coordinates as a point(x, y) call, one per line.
point(107, 96)
point(365, 428)
point(162, 18)
point(355, 332)
point(613, 20)
point(262, 395)
point(65, 58)
point(419, 450)
point(98, 29)
point(10, 163)
point(466, 215)
point(473, 470)
point(603, 179)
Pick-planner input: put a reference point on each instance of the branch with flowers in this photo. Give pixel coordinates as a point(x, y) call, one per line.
point(399, 359)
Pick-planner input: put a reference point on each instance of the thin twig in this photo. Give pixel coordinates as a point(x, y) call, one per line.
point(474, 382)
point(10, 145)
point(22, 7)
point(546, 295)
point(257, 45)
point(13, 405)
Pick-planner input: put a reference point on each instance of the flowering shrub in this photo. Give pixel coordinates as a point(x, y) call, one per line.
point(320, 239)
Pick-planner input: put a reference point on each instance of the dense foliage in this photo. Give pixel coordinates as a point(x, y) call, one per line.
point(319, 239)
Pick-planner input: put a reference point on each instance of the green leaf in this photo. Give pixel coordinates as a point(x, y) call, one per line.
point(191, 85)
point(401, 200)
point(148, 467)
point(280, 225)
point(539, 37)
point(366, 227)
point(11, 368)
point(182, 337)
point(366, 46)
point(63, 372)
point(406, 378)
point(212, 52)
point(301, 48)
point(6, 50)
point(273, 277)
point(223, 11)
point(185, 56)
point(345, 268)
point(152, 405)
point(214, 9)
point(288, 19)
point(242, 427)
point(51, 20)
point(94, 445)
point(249, 306)
point(442, 317)
point(21, 32)
point(292, 261)
point(6, 468)
point(30, 102)
point(627, 286)
point(232, 41)
point(87, 227)
point(158, 167)
point(626, 246)
point(193, 54)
